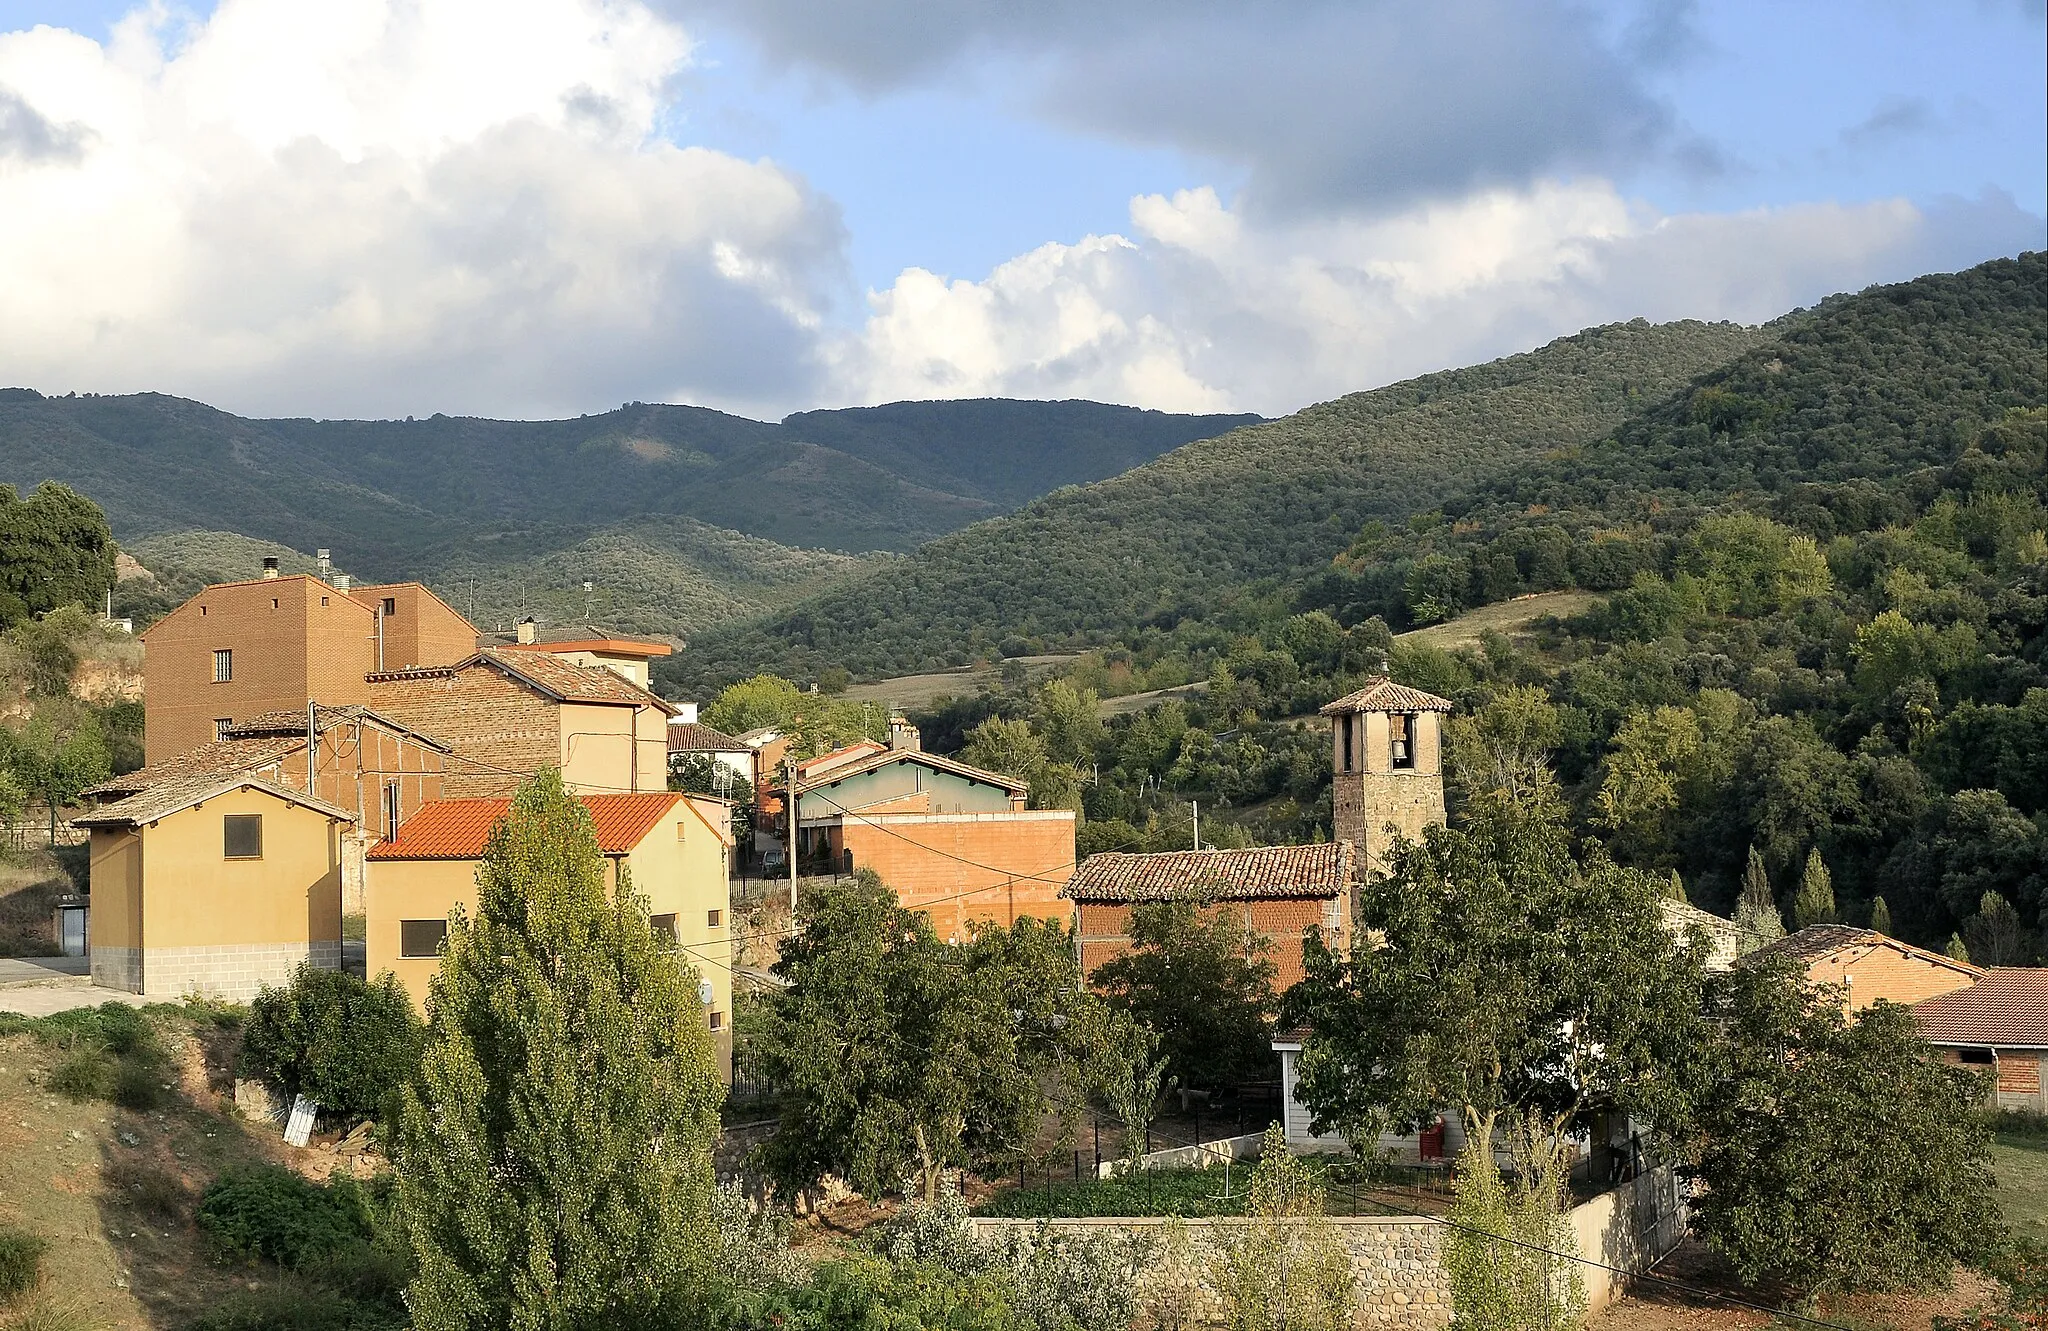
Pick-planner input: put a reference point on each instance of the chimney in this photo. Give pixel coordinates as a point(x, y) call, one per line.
point(270, 566)
point(903, 735)
point(341, 581)
point(526, 633)
point(686, 714)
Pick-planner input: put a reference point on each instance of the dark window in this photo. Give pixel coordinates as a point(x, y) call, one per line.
point(390, 605)
point(241, 836)
point(718, 1021)
point(220, 726)
point(664, 926)
point(1344, 725)
point(1980, 1056)
point(421, 938)
point(714, 918)
point(223, 666)
point(1401, 729)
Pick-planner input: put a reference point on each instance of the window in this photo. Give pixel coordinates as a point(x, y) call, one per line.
point(1401, 730)
point(421, 938)
point(1980, 1057)
point(273, 603)
point(680, 829)
point(221, 725)
point(323, 600)
point(391, 811)
point(714, 918)
point(390, 605)
point(717, 1021)
point(223, 666)
point(664, 927)
point(241, 836)
point(1344, 727)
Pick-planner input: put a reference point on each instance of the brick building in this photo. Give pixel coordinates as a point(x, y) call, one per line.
point(505, 715)
point(952, 840)
point(1386, 760)
point(1869, 966)
point(243, 649)
point(1999, 1025)
point(1275, 892)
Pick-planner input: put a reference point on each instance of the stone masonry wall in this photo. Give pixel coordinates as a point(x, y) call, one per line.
point(1401, 1283)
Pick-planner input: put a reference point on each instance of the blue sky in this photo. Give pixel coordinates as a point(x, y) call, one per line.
point(545, 206)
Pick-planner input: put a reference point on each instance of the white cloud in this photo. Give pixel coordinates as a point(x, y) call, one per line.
point(368, 206)
point(1204, 308)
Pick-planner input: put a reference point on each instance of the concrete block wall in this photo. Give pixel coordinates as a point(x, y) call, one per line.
point(236, 972)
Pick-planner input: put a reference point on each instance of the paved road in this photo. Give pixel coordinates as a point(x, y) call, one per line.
point(38, 986)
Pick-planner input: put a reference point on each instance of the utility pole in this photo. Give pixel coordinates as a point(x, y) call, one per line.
point(789, 812)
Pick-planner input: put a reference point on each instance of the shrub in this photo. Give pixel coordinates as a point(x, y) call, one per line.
point(273, 1213)
point(21, 1262)
point(111, 1053)
point(303, 1308)
point(347, 1043)
point(156, 1193)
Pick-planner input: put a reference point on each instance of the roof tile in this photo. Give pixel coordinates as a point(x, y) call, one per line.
point(1262, 872)
point(458, 829)
point(2008, 1008)
point(1383, 695)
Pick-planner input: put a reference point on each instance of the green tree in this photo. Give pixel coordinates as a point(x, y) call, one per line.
point(58, 753)
point(346, 1042)
point(1502, 750)
point(1284, 1267)
point(553, 1152)
point(1996, 935)
point(1649, 767)
point(1750, 565)
point(1838, 1154)
point(1131, 1078)
point(1880, 916)
point(1756, 910)
point(1198, 980)
point(1814, 901)
point(55, 550)
point(895, 1054)
point(1500, 1249)
point(1067, 720)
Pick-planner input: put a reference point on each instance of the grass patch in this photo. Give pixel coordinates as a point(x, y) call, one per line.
point(1182, 1192)
point(111, 1052)
point(155, 1193)
point(297, 1308)
point(48, 1315)
point(21, 1262)
point(2021, 1164)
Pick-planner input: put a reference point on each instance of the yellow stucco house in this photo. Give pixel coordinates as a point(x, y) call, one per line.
point(676, 848)
point(215, 885)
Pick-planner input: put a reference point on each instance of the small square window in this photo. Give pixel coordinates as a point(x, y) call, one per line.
point(390, 605)
point(323, 600)
point(221, 725)
point(714, 918)
point(273, 603)
point(717, 1021)
point(664, 927)
point(241, 836)
point(421, 938)
point(223, 666)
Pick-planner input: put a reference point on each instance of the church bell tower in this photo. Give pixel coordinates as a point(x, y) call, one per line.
point(1388, 769)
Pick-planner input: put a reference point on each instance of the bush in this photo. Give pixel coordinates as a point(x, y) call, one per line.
point(273, 1213)
point(345, 1042)
point(157, 1193)
point(21, 1262)
point(297, 1309)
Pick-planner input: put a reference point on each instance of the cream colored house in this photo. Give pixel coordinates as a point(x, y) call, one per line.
point(675, 850)
point(217, 885)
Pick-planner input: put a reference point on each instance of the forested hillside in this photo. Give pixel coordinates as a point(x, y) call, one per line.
point(1817, 672)
point(1267, 501)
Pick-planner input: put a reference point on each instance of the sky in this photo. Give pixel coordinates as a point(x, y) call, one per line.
point(537, 208)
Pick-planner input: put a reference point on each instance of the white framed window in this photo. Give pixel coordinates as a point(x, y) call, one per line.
point(220, 726)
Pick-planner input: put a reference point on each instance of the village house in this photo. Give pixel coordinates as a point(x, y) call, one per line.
point(584, 644)
point(674, 849)
point(1998, 1025)
point(952, 840)
point(214, 885)
point(239, 650)
point(1274, 893)
point(504, 715)
point(1870, 967)
point(690, 739)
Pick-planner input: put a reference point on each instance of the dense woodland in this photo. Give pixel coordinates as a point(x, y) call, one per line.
point(1824, 586)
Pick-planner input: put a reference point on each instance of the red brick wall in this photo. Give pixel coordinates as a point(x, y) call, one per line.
point(1883, 972)
point(2019, 1073)
point(1105, 931)
point(422, 630)
point(932, 862)
point(489, 721)
point(311, 643)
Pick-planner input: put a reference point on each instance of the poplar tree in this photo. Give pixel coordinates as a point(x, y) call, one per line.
point(553, 1151)
point(1814, 902)
point(1880, 917)
point(1756, 910)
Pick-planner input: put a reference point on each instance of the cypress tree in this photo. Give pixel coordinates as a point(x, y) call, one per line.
point(1674, 886)
point(553, 1151)
point(1756, 911)
point(1881, 917)
point(1955, 949)
point(1814, 902)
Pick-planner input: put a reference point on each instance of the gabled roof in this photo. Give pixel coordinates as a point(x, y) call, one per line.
point(1383, 695)
point(696, 737)
point(458, 829)
point(2008, 1008)
point(815, 768)
point(550, 676)
point(1263, 872)
point(887, 757)
point(294, 723)
point(168, 797)
point(1819, 942)
point(579, 637)
point(217, 760)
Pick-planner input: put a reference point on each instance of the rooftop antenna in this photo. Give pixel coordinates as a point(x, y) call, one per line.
point(325, 563)
point(586, 601)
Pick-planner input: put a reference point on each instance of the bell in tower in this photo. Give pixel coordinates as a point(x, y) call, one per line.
point(1387, 763)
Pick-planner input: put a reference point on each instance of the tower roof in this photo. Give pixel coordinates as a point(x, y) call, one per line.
point(1381, 694)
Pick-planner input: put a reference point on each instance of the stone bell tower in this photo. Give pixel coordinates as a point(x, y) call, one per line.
point(1388, 769)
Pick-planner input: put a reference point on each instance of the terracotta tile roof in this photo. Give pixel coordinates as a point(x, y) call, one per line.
point(2008, 1008)
point(1236, 875)
point(1384, 695)
point(458, 829)
point(168, 797)
point(221, 758)
point(570, 682)
point(1818, 941)
point(696, 737)
point(845, 755)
